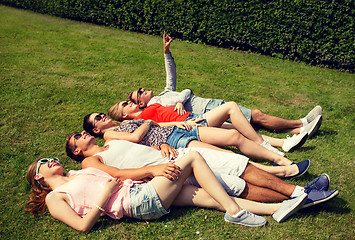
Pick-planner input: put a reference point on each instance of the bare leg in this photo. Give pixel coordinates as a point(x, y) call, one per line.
point(275, 142)
point(260, 194)
point(193, 162)
point(275, 123)
point(194, 196)
point(279, 171)
point(195, 143)
point(230, 137)
point(258, 177)
point(217, 116)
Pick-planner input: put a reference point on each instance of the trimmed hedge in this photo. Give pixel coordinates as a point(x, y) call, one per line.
point(316, 32)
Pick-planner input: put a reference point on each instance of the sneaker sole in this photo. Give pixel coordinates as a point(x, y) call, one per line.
point(315, 128)
point(299, 144)
point(297, 207)
point(248, 225)
point(320, 201)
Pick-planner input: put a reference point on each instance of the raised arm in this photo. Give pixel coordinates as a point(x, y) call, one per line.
point(168, 170)
point(170, 67)
point(60, 209)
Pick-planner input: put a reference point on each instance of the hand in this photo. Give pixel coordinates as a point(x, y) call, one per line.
point(183, 125)
point(167, 151)
point(179, 107)
point(195, 121)
point(166, 42)
point(169, 170)
point(112, 185)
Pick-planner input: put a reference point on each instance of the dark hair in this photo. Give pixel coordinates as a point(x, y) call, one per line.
point(88, 126)
point(130, 97)
point(69, 149)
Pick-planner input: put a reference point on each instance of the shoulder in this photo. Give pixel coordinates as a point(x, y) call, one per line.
point(90, 160)
point(54, 196)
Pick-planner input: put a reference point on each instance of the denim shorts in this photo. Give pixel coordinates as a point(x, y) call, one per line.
point(201, 116)
point(179, 138)
point(213, 103)
point(145, 203)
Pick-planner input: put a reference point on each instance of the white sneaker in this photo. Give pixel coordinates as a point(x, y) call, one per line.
point(294, 142)
point(289, 207)
point(313, 127)
point(266, 144)
point(317, 110)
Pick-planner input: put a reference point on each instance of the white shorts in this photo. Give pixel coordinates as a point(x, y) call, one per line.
point(226, 166)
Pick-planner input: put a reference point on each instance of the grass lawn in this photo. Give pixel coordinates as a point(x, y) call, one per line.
point(55, 71)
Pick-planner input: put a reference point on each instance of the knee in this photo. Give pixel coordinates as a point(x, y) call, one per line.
point(233, 106)
point(196, 157)
point(257, 115)
point(236, 136)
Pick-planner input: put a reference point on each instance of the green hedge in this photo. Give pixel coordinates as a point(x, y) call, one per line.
point(316, 32)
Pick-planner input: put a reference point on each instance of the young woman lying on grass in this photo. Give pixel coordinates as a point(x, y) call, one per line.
point(81, 197)
point(128, 110)
point(150, 133)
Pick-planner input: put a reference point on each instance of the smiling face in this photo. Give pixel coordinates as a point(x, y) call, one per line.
point(100, 121)
point(80, 142)
point(47, 167)
point(129, 109)
point(141, 97)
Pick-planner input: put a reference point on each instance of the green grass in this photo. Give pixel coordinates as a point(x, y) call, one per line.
point(54, 71)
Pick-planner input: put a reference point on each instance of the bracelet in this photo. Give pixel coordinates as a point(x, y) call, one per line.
point(100, 208)
point(148, 123)
point(159, 147)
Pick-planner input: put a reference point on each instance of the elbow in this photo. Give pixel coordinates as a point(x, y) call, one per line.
point(85, 229)
point(136, 139)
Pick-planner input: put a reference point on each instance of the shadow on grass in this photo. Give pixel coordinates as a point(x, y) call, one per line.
point(175, 213)
point(336, 205)
point(325, 133)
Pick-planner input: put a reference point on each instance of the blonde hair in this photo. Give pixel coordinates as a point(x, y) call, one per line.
point(116, 112)
point(39, 192)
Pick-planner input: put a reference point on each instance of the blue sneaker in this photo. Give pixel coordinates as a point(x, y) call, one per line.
point(302, 168)
point(245, 218)
point(320, 183)
point(316, 197)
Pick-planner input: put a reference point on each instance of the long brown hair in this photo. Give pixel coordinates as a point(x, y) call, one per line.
point(37, 203)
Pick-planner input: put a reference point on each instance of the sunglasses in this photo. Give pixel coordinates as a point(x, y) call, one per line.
point(76, 137)
point(43, 161)
point(98, 117)
point(139, 93)
point(125, 103)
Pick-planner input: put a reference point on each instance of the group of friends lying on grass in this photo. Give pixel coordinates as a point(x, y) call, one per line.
point(164, 150)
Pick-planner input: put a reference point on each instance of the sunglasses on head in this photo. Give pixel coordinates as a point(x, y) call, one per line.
point(43, 161)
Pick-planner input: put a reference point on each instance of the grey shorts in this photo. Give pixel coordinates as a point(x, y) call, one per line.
point(213, 103)
point(145, 203)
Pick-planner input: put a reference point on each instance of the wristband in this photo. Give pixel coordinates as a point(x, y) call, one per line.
point(100, 208)
point(160, 145)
